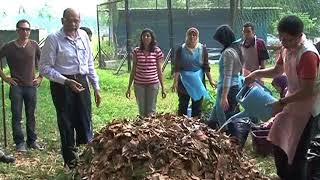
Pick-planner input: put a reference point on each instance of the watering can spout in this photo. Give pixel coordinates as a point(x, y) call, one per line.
point(240, 115)
point(236, 116)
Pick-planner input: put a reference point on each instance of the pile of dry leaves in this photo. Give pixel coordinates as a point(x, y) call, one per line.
point(164, 147)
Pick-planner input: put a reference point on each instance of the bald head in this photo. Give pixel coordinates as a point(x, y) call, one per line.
point(67, 12)
point(70, 20)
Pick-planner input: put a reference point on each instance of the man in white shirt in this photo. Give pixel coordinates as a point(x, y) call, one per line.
point(67, 61)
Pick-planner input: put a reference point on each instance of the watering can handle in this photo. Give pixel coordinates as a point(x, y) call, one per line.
point(264, 87)
point(242, 91)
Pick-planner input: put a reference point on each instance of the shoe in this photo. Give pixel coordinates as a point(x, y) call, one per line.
point(68, 167)
point(7, 159)
point(35, 145)
point(21, 147)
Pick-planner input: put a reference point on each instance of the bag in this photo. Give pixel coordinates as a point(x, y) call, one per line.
point(313, 157)
point(239, 129)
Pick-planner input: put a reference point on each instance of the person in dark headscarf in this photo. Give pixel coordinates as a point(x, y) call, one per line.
point(191, 63)
point(229, 83)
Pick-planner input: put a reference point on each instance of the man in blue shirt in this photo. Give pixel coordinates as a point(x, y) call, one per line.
point(67, 61)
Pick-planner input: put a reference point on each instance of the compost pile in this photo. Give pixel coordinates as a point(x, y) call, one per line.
point(164, 147)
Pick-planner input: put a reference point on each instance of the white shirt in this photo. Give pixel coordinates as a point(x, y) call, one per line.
point(64, 55)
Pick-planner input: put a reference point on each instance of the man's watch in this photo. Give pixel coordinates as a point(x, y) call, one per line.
point(281, 102)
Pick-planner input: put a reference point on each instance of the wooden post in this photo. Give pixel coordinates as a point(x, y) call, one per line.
point(170, 25)
point(128, 29)
point(3, 109)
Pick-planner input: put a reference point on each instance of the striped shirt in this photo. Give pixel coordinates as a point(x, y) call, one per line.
point(146, 66)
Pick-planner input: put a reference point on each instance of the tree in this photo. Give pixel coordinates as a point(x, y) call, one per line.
point(310, 24)
point(45, 12)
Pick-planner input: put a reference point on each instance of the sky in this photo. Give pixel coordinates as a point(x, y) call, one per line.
point(86, 7)
point(9, 12)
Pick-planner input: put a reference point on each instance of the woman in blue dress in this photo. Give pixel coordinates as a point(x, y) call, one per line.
point(229, 82)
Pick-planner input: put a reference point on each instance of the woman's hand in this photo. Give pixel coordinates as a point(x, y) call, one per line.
point(224, 104)
point(128, 93)
point(213, 84)
point(163, 93)
point(174, 87)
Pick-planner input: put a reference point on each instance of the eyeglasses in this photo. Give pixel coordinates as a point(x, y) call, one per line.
point(289, 39)
point(72, 20)
point(24, 29)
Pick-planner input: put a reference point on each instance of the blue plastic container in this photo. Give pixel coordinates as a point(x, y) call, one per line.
point(254, 101)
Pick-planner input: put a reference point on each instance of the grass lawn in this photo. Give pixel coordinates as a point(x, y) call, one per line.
point(48, 164)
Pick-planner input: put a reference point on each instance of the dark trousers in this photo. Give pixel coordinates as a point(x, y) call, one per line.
point(183, 105)
point(73, 116)
point(27, 95)
point(184, 99)
point(298, 169)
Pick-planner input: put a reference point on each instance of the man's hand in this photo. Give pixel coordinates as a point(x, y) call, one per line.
point(250, 78)
point(276, 107)
point(37, 81)
point(74, 85)
point(97, 97)
point(11, 81)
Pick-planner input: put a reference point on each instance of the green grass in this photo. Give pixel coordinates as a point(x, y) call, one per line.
point(48, 164)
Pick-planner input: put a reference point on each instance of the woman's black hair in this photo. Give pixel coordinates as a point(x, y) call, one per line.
point(227, 38)
point(153, 43)
point(224, 35)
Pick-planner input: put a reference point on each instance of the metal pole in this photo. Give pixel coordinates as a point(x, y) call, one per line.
point(3, 110)
point(99, 43)
point(128, 29)
point(233, 12)
point(170, 25)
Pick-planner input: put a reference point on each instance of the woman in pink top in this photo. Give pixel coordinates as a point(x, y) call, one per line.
point(300, 108)
point(146, 73)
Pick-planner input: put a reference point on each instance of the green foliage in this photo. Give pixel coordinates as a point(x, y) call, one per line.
point(108, 48)
point(310, 24)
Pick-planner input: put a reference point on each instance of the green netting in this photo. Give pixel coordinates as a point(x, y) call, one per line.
point(206, 15)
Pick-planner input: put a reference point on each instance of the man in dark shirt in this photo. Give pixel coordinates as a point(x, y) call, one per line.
point(88, 31)
point(22, 57)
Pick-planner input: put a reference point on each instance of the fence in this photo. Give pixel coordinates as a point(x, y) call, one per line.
point(121, 21)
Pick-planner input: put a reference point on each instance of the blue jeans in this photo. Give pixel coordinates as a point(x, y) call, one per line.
point(27, 95)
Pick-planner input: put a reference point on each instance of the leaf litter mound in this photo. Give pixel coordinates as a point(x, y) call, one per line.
point(164, 147)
